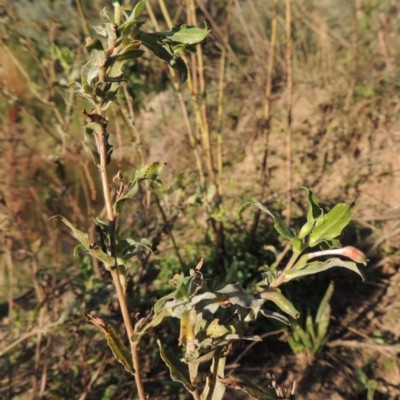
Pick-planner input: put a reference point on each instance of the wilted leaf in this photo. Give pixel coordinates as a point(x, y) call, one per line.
point(178, 370)
point(242, 382)
point(119, 350)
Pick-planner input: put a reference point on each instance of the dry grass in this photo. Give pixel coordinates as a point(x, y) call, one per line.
point(345, 143)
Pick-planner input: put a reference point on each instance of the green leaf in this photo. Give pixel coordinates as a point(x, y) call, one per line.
point(79, 235)
point(129, 55)
point(178, 369)
point(304, 337)
point(332, 224)
point(150, 171)
point(319, 266)
point(310, 327)
point(165, 52)
point(279, 225)
point(242, 382)
point(314, 210)
point(82, 237)
point(133, 16)
point(186, 34)
point(322, 318)
point(117, 347)
point(281, 301)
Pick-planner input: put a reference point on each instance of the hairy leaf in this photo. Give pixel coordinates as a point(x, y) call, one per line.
point(185, 34)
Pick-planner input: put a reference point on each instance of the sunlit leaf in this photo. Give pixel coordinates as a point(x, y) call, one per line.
point(314, 209)
point(133, 16)
point(281, 301)
point(185, 34)
point(319, 266)
point(117, 347)
point(105, 16)
point(332, 224)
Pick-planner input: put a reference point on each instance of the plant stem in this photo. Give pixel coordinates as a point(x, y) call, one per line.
point(112, 218)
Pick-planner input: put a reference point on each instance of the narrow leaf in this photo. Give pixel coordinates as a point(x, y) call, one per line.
point(242, 382)
point(324, 312)
point(117, 347)
point(279, 225)
point(314, 210)
point(178, 369)
point(133, 16)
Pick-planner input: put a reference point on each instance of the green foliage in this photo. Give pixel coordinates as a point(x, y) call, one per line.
point(211, 312)
point(309, 336)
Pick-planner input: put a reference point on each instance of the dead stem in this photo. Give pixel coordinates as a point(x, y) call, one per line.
point(289, 111)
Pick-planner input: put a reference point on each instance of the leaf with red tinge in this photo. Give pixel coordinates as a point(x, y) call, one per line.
point(319, 266)
point(117, 347)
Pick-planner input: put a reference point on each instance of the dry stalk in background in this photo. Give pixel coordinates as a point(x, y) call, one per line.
point(266, 125)
point(289, 110)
